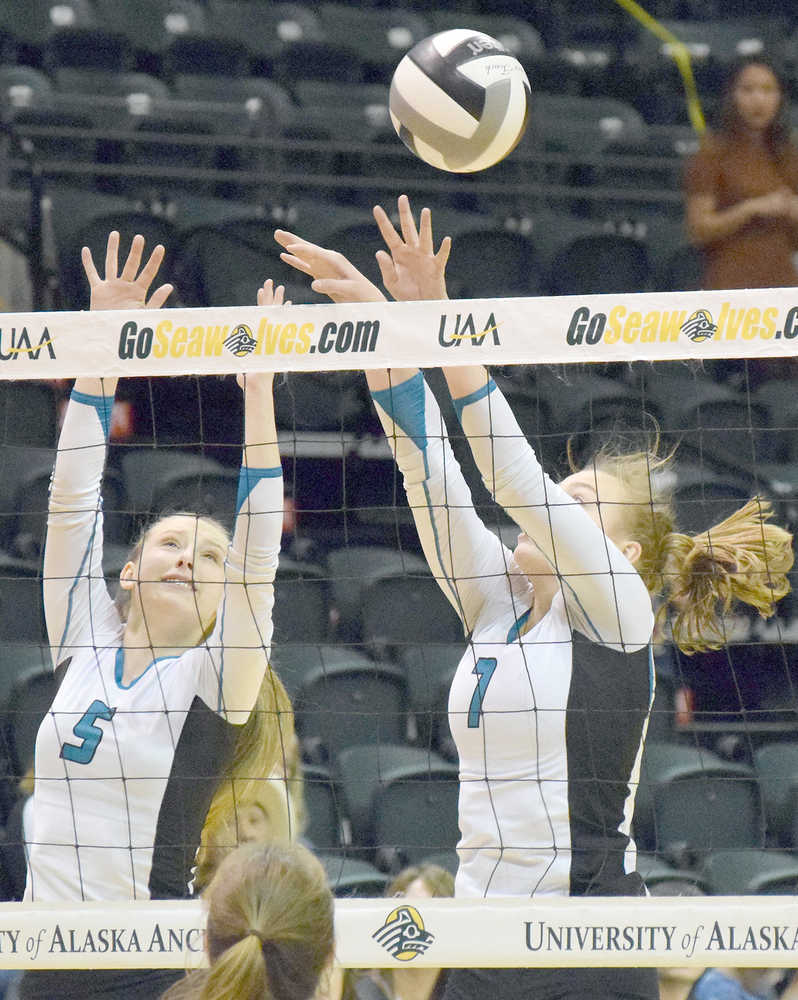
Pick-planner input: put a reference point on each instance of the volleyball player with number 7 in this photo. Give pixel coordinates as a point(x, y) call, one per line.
point(549, 705)
point(152, 699)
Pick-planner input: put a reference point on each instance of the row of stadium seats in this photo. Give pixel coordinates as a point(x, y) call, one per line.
point(387, 802)
point(247, 135)
point(600, 51)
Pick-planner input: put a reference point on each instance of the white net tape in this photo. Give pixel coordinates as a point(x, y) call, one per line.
point(732, 931)
point(571, 329)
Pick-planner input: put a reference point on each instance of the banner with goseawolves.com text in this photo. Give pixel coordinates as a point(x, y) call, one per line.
point(600, 328)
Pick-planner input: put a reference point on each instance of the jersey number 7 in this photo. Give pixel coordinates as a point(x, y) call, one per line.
point(88, 733)
point(483, 668)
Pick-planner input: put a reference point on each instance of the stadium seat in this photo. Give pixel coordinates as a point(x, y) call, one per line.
point(158, 480)
point(429, 669)
point(301, 602)
point(327, 824)
point(352, 878)
point(151, 26)
point(34, 23)
point(28, 699)
point(58, 140)
point(350, 568)
point(376, 37)
point(94, 82)
point(776, 764)
point(663, 879)
point(86, 221)
point(295, 658)
point(402, 607)
point(400, 799)
point(269, 31)
point(24, 86)
point(25, 490)
point(690, 801)
point(267, 103)
point(742, 873)
point(346, 702)
point(489, 261)
point(27, 410)
point(603, 263)
point(21, 611)
point(712, 420)
point(18, 661)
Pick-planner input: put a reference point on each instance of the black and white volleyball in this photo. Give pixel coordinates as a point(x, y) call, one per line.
point(460, 100)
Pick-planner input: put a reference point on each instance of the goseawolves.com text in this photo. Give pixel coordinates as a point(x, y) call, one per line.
point(202, 341)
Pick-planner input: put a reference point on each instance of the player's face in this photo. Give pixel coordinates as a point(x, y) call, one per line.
point(253, 825)
point(757, 96)
point(180, 574)
point(601, 497)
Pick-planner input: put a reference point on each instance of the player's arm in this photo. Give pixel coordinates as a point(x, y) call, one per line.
point(597, 578)
point(468, 561)
point(600, 585)
point(243, 633)
point(74, 587)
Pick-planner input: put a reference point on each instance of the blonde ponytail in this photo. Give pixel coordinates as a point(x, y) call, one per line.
point(699, 578)
point(743, 559)
point(240, 971)
point(270, 927)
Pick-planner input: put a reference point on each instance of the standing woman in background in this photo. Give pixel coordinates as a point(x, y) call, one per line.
point(741, 187)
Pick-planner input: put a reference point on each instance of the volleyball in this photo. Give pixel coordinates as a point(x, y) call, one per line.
point(459, 100)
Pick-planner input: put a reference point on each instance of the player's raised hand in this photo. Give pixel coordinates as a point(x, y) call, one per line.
point(269, 294)
point(129, 289)
point(333, 274)
point(411, 269)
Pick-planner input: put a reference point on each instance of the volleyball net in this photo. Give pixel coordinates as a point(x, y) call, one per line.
point(365, 643)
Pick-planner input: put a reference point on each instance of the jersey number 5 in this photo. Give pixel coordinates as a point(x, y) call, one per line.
point(88, 733)
point(484, 668)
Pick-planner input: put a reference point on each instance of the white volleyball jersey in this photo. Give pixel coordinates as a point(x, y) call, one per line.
point(548, 722)
point(124, 773)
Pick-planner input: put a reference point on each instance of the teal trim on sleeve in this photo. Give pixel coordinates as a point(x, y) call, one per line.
point(404, 404)
point(472, 397)
point(102, 404)
point(249, 478)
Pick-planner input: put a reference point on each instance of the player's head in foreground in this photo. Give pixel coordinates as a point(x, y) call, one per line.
point(270, 927)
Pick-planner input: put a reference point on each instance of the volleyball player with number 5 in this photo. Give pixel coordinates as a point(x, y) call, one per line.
point(550, 702)
point(151, 700)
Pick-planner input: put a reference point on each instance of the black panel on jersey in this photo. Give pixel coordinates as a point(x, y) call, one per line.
point(445, 74)
point(608, 704)
point(204, 750)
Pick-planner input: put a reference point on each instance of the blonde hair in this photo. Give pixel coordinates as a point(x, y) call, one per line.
point(266, 757)
point(438, 880)
point(701, 577)
point(270, 927)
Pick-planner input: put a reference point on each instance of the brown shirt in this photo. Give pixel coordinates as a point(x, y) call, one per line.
point(760, 255)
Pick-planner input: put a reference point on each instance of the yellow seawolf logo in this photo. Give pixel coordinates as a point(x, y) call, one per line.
point(241, 342)
point(403, 934)
point(699, 326)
